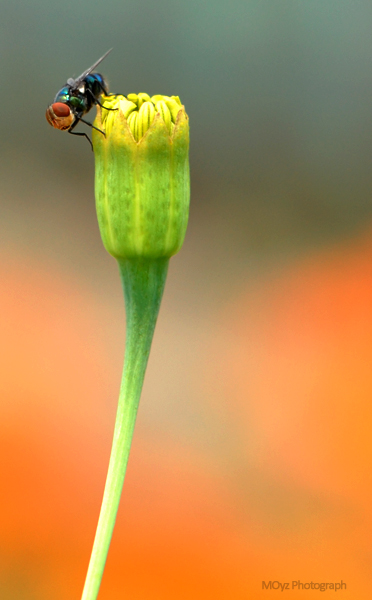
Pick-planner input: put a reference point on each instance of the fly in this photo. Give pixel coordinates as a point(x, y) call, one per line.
point(76, 98)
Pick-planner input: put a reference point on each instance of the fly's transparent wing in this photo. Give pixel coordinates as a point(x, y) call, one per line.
point(76, 82)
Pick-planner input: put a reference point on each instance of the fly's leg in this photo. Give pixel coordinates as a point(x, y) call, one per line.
point(96, 101)
point(105, 107)
point(91, 125)
point(80, 133)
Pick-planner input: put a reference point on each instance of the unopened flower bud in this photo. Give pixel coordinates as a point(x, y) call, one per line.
point(142, 175)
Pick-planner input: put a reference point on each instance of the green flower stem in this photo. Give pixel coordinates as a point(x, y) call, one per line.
point(143, 282)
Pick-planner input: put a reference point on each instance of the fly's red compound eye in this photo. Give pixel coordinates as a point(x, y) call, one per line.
point(60, 109)
point(60, 116)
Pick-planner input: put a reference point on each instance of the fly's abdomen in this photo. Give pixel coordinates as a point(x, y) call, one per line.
point(97, 84)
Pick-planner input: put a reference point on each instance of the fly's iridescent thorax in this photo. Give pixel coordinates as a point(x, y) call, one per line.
point(80, 102)
point(83, 97)
point(63, 95)
point(74, 98)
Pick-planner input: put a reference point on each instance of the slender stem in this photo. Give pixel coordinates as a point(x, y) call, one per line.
point(143, 281)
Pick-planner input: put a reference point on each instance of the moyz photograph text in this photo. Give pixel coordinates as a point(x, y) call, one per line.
point(298, 585)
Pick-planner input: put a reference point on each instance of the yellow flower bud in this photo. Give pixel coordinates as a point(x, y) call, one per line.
point(142, 175)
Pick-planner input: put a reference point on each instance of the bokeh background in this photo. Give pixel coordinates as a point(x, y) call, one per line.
point(252, 453)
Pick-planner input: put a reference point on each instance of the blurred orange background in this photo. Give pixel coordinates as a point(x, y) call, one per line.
point(251, 458)
point(268, 480)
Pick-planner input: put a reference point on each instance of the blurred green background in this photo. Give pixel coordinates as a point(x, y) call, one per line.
point(278, 93)
point(279, 98)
